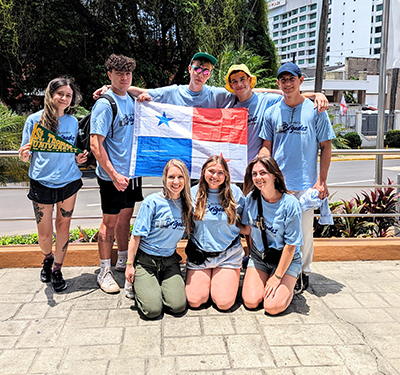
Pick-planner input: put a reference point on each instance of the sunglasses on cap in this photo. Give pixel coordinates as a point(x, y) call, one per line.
point(199, 69)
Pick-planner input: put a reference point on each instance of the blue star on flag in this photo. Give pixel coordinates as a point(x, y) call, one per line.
point(163, 119)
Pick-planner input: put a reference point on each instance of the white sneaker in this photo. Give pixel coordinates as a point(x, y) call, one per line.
point(120, 265)
point(129, 290)
point(107, 282)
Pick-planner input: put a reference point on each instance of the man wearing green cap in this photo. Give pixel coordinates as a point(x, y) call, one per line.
point(241, 82)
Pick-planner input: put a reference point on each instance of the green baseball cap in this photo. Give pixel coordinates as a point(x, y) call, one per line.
point(206, 56)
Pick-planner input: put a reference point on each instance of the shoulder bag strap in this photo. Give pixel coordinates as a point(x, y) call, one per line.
point(261, 222)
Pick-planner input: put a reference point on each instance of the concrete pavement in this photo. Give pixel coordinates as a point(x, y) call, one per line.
point(347, 323)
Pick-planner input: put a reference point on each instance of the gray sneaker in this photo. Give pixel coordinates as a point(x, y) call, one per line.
point(107, 282)
point(120, 265)
point(129, 290)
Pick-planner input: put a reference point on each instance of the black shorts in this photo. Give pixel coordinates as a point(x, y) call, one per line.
point(113, 201)
point(45, 195)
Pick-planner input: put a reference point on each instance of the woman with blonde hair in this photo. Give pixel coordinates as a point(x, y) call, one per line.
point(273, 218)
point(54, 177)
point(214, 250)
point(153, 263)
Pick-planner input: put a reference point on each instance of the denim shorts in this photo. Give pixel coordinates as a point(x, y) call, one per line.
point(231, 258)
point(113, 200)
point(45, 195)
point(256, 261)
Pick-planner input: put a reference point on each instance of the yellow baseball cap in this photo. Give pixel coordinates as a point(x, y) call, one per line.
point(243, 68)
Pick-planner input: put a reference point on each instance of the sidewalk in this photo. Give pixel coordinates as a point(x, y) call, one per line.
point(347, 323)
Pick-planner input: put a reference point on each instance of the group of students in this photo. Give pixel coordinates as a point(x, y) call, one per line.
point(219, 212)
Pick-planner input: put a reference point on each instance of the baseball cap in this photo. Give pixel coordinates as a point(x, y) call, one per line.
point(291, 68)
point(242, 68)
point(204, 55)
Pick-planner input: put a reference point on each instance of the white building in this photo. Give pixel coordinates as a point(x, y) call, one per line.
point(354, 29)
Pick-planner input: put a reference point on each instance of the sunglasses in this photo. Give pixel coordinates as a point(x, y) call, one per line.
point(199, 69)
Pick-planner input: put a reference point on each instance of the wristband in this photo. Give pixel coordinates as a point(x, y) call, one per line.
point(278, 277)
point(128, 263)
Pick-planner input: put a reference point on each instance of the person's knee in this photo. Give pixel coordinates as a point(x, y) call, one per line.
point(224, 302)
point(251, 300)
point(178, 306)
point(196, 300)
point(274, 308)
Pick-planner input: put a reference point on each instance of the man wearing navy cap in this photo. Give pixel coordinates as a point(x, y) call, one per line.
point(292, 131)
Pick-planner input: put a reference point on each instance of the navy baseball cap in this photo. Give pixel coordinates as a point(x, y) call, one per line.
point(205, 56)
point(291, 68)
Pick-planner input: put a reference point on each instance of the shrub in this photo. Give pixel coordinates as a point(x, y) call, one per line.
point(353, 139)
point(392, 139)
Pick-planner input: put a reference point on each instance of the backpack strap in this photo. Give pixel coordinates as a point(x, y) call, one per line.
point(261, 222)
point(114, 110)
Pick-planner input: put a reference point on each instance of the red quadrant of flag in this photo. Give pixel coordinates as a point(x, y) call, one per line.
point(219, 125)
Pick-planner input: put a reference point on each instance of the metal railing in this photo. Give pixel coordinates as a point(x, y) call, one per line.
point(334, 152)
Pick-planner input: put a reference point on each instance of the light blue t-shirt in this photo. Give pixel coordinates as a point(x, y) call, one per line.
point(296, 134)
point(213, 233)
point(159, 223)
point(119, 146)
point(53, 169)
point(208, 97)
point(282, 221)
point(256, 106)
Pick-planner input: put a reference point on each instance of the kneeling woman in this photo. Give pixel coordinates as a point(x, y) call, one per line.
point(274, 217)
point(214, 250)
point(153, 264)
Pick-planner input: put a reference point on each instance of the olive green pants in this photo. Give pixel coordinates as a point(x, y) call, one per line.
point(158, 282)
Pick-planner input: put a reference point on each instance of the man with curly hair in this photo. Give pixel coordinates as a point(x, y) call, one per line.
point(111, 142)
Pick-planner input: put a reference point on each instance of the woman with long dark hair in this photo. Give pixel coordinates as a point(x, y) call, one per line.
point(273, 218)
point(214, 250)
point(54, 177)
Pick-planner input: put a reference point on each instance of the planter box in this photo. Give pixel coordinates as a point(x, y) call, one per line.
point(325, 249)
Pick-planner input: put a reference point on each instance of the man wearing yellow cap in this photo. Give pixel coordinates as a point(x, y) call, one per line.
point(241, 82)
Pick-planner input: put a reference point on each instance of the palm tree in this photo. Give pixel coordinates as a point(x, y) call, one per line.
point(11, 126)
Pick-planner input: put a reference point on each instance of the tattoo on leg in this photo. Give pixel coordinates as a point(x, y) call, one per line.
point(67, 214)
point(38, 212)
point(105, 239)
point(64, 248)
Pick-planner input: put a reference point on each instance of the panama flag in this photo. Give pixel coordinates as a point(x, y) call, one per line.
point(166, 131)
point(343, 106)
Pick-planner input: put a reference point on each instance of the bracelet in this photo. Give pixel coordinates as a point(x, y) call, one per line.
point(128, 263)
point(114, 181)
point(278, 277)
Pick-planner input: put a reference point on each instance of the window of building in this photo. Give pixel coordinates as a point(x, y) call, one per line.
point(328, 49)
point(302, 44)
point(301, 53)
point(329, 21)
point(377, 40)
point(284, 32)
point(284, 16)
point(379, 7)
point(293, 29)
point(293, 46)
point(313, 16)
point(294, 20)
point(284, 40)
point(276, 41)
point(284, 24)
point(328, 40)
point(293, 37)
point(284, 49)
point(313, 25)
point(378, 19)
point(311, 43)
point(276, 18)
point(302, 27)
point(378, 29)
point(327, 58)
point(354, 21)
point(377, 51)
point(301, 62)
point(314, 6)
point(294, 11)
point(372, 8)
point(352, 31)
point(275, 34)
point(276, 26)
point(283, 56)
point(302, 35)
point(312, 34)
point(311, 61)
point(303, 9)
point(329, 30)
point(311, 51)
point(302, 18)
point(372, 19)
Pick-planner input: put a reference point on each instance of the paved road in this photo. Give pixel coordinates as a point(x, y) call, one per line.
point(348, 323)
point(15, 204)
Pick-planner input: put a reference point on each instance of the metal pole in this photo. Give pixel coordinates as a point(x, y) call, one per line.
point(321, 52)
point(382, 91)
point(396, 228)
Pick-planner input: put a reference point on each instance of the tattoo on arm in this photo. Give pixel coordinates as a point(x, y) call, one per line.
point(64, 248)
point(106, 239)
point(67, 214)
point(38, 211)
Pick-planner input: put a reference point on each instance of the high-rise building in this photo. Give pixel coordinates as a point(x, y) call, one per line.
point(354, 29)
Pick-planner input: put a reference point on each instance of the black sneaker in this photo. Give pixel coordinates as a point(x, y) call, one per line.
point(58, 281)
point(305, 279)
point(298, 288)
point(45, 273)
